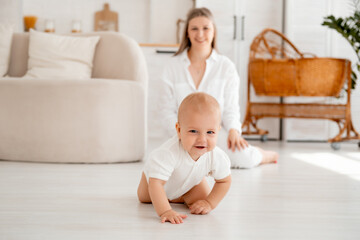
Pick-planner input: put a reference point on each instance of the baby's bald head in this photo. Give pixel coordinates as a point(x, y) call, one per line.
point(199, 120)
point(198, 103)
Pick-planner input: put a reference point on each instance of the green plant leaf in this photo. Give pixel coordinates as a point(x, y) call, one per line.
point(349, 28)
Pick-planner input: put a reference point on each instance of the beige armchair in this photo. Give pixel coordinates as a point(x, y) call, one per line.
point(97, 120)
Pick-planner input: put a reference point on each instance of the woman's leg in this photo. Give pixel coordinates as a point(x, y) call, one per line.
point(246, 158)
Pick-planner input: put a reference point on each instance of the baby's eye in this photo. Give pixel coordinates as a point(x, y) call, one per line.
point(192, 131)
point(210, 132)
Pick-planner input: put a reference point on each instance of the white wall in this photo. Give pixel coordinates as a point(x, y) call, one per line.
point(163, 17)
point(144, 20)
point(11, 13)
point(133, 15)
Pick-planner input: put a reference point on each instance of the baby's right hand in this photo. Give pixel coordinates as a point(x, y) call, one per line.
point(172, 217)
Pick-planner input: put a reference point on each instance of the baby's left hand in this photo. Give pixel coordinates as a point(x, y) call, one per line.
point(200, 207)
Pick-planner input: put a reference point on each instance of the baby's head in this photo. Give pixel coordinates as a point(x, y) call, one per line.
point(198, 125)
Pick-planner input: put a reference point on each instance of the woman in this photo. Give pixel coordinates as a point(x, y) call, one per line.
point(198, 67)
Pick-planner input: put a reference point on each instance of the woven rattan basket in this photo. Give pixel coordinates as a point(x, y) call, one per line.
point(298, 77)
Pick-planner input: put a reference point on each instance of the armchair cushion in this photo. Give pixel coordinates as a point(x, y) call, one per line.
point(54, 56)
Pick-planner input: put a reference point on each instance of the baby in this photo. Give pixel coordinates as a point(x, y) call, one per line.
point(175, 172)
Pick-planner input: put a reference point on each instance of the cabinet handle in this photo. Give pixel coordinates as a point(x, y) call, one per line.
point(166, 51)
point(242, 28)
point(235, 23)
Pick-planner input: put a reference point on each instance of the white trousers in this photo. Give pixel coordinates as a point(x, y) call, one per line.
point(245, 158)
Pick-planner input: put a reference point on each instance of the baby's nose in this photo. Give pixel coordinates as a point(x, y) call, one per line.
point(202, 138)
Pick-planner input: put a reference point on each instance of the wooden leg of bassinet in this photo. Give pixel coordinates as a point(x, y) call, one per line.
point(252, 122)
point(353, 129)
point(349, 127)
point(342, 129)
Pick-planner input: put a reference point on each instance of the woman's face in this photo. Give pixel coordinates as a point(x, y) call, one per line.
point(201, 32)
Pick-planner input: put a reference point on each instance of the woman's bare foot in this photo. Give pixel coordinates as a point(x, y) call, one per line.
point(269, 156)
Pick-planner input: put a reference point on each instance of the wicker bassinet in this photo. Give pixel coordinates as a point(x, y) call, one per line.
point(298, 77)
point(278, 68)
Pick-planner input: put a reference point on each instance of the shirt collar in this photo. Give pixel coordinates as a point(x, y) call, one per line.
point(214, 56)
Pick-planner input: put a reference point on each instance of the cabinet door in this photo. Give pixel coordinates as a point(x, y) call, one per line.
point(304, 29)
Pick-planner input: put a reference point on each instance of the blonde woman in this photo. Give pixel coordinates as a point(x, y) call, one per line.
point(198, 67)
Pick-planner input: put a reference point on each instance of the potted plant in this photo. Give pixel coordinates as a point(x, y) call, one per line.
point(349, 28)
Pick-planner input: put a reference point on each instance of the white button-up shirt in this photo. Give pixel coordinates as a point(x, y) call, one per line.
point(220, 80)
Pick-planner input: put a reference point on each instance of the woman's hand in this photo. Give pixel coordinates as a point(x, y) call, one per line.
point(236, 141)
point(172, 217)
point(200, 207)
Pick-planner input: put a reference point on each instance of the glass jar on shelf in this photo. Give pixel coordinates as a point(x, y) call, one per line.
point(76, 26)
point(49, 26)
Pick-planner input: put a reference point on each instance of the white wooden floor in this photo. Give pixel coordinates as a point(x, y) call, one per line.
point(312, 193)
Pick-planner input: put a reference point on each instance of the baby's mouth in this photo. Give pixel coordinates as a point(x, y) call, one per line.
point(200, 147)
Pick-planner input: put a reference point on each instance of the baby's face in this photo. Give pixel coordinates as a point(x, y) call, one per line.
point(198, 133)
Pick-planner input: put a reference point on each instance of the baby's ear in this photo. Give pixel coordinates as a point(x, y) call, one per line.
point(177, 126)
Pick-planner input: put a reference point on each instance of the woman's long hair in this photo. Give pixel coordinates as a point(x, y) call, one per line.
point(193, 13)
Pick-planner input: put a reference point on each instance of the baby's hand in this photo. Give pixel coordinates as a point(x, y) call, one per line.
point(172, 216)
point(200, 207)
